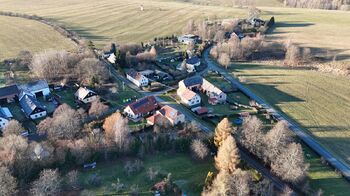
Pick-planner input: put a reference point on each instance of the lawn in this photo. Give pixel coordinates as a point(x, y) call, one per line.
point(107, 20)
point(19, 34)
point(323, 176)
point(319, 102)
point(188, 174)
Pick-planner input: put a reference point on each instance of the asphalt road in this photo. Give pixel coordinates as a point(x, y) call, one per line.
point(309, 140)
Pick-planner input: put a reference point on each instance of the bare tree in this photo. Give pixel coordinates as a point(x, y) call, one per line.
point(237, 184)
point(290, 164)
point(72, 179)
point(219, 36)
point(277, 139)
point(65, 123)
point(97, 108)
point(227, 158)
point(152, 173)
point(49, 183)
point(12, 149)
point(117, 130)
point(252, 137)
point(50, 65)
point(91, 70)
point(13, 127)
point(8, 183)
point(222, 131)
point(293, 54)
point(224, 60)
point(199, 149)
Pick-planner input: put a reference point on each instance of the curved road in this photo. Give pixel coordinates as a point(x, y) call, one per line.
point(309, 140)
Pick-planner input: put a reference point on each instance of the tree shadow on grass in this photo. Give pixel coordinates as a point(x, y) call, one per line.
point(273, 94)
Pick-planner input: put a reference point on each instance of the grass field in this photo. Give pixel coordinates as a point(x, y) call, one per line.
point(19, 34)
point(187, 174)
point(319, 102)
point(122, 21)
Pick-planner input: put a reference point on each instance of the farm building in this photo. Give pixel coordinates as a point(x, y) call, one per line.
point(189, 38)
point(197, 83)
point(85, 95)
point(170, 114)
point(8, 94)
point(137, 78)
point(140, 108)
point(38, 88)
point(31, 106)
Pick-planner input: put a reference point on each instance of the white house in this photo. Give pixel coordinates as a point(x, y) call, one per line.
point(140, 108)
point(188, 38)
point(38, 88)
point(112, 58)
point(137, 78)
point(5, 117)
point(188, 97)
point(85, 95)
point(31, 106)
point(197, 83)
point(194, 61)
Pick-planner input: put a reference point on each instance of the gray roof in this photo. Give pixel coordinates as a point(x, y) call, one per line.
point(29, 103)
point(2, 114)
point(34, 86)
point(9, 90)
point(193, 60)
point(195, 80)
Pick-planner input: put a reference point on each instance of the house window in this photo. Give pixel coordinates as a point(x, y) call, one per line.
point(36, 116)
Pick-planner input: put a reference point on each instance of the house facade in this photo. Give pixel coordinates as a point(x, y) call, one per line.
point(188, 97)
point(4, 118)
point(85, 95)
point(137, 78)
point(141, 108)
point(31, 106)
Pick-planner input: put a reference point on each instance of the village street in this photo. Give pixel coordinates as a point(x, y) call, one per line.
point(190, 116)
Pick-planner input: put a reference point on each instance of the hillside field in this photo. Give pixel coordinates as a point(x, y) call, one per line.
point(17, 34)
point(122, 21)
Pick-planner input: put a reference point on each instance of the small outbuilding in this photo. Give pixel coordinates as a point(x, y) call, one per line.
point(85, 95)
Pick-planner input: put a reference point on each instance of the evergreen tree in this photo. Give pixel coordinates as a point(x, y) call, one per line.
point(222, 131)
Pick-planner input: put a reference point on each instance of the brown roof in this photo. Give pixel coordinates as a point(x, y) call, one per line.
point(202, 110)
point(186, 93)
point(153, 119)
point(134, 74)
point(169, 112)
point(144, 105)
